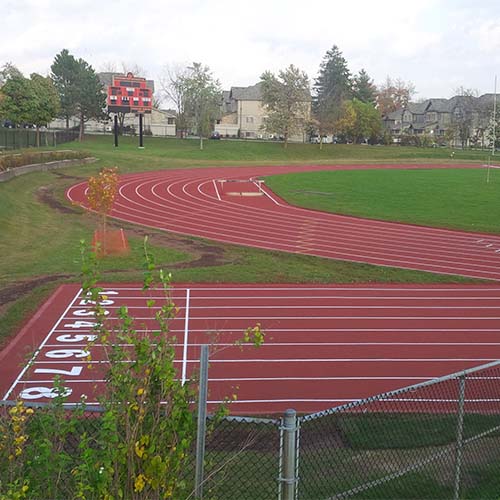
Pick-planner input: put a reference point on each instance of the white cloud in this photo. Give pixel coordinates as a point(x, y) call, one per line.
point(437, 44)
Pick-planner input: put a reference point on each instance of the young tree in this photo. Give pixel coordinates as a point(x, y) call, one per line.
point(287, 100)
point(45, 102)
point(393, 95)
point(331, 88)
point(101, 196)
point(173, 88)
point(364, 89)
point(16, 99)
point(202, 99)
point(64, 74)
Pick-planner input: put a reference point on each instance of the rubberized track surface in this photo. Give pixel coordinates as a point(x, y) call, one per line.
point(325, 345)
point(242, 211)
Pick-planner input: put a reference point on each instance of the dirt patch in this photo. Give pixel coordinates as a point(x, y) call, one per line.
point(203, 254)
point(21, 288)
point(66, 176)
point(45, 195)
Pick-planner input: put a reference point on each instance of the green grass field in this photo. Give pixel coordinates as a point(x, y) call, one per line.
point(453, 198)
point(40, 231)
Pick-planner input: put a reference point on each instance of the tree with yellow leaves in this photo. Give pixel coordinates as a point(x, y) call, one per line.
point(101, 194)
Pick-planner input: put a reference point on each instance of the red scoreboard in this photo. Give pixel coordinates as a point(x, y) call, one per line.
point(129, 94)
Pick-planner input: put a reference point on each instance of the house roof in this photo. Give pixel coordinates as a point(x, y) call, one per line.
point(167, 112)
point(252, 93)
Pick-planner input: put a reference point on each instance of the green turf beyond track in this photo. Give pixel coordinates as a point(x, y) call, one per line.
point(451, 198)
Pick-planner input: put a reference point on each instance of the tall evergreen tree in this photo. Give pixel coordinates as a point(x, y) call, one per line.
point(64, 74)
point(90, 96)
point(364, 89)
point(80, 91)
point(332, 86)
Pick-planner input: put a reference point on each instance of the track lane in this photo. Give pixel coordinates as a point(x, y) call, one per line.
point(330, 355)
point(185, 201)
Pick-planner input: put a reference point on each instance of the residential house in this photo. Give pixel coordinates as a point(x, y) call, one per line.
point(462, 120)
point(243, 115)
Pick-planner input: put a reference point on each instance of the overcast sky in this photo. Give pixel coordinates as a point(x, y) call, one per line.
point(438, 45)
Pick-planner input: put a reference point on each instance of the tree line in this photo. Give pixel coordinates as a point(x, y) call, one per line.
point(341, 104)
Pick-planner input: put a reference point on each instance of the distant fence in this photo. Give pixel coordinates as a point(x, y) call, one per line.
point(437, 439)
point(18, 138)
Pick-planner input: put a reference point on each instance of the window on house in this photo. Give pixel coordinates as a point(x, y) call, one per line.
point(249, 119)
point(171, 121)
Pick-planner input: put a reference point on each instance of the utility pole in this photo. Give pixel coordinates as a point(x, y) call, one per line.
point(494, 118)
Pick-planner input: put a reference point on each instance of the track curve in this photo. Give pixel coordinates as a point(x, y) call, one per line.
point(229, 205)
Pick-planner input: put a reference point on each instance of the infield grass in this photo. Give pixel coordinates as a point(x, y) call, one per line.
point(451, 198)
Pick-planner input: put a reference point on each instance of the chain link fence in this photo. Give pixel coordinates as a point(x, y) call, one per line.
point(437, 439)
point(25, 138)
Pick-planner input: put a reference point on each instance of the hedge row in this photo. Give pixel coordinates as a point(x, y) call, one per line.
point(10, 161)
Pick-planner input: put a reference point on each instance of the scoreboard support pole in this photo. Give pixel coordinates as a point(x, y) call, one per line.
point(116, 131)
point(141, 142)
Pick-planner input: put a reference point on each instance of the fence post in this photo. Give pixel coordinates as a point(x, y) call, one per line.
point(288, 472)
point(202, 422)
point(460, 435)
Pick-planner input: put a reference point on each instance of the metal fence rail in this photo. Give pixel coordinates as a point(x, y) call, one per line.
point(25, 138)
point(437, 439)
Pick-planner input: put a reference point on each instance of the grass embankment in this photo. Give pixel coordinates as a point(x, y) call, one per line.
point(40, 231)
point(452, 198)
point(161, 153)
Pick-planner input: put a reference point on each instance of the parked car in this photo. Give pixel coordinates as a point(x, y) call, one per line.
point(215, 135)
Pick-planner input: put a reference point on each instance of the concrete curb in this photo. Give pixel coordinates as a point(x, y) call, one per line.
point(40, 167)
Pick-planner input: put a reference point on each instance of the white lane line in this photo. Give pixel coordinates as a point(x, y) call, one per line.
point(216, 190)
point(361, 306)
point(326, 330)
point(270, 379)
point(325, 297)
point(259, 186)
point(302, 344)
point(350, 400)
point(299, 360)
point(186, 332)
point(75, 381)
point(312, 318)
point(40, 347)
point(411, 288)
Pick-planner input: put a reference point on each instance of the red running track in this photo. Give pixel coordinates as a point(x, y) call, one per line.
point(325, 345)
point(195, 202)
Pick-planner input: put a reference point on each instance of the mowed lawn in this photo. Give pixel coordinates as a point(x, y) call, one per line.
point(165, 153)
point(451, 198)
point(40, 231)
